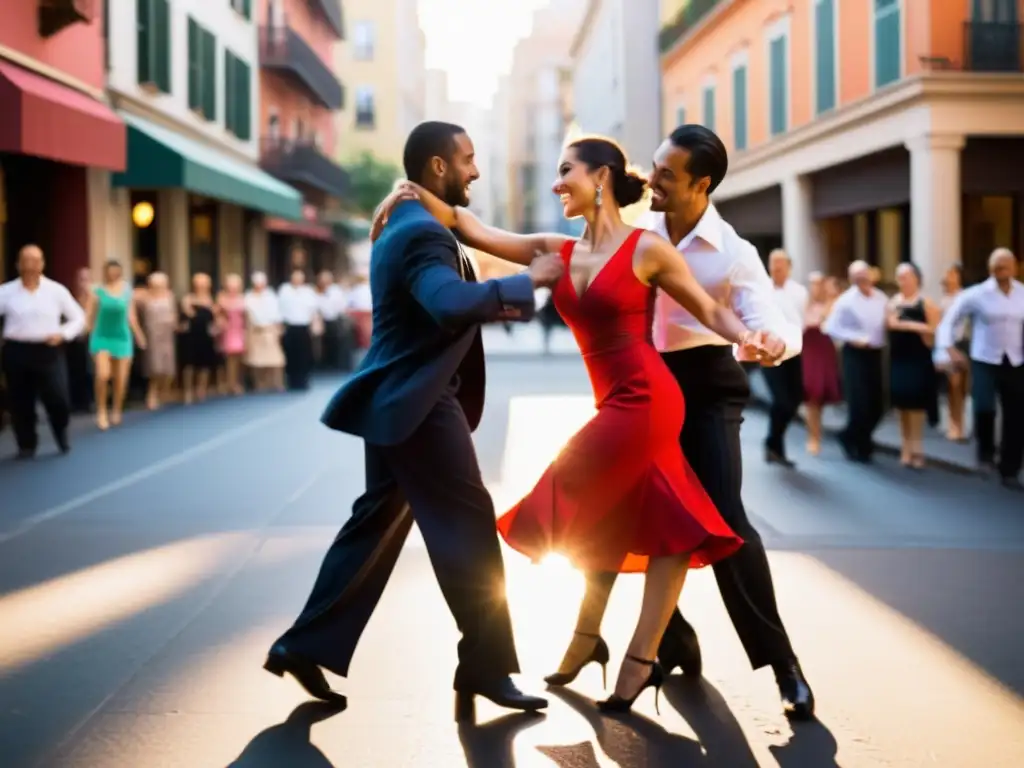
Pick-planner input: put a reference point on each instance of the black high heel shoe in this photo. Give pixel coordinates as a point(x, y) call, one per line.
point(655, 680)
point(599, 655)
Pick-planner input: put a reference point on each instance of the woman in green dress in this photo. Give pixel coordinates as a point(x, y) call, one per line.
point(112, 325)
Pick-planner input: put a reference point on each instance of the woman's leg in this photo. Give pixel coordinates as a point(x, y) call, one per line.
point(956, 398)
point(202, 383)
point(915, 426)
point(588, 624)
point(121, 371)
point(234, 369)
point(101, 384)
point(906, 449)
point(813, 411)
point(662, 586)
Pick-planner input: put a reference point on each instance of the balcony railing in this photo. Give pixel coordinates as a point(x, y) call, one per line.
point(691, 14)
point(331, 11)
point(55, 15)
point(300, 162)
point(992, 46)
point(283, 50)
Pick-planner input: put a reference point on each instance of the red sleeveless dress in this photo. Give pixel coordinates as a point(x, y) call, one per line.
point(620, 492)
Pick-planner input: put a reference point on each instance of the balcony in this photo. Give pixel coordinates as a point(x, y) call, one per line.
point(331, 11)
point(284, 51)
point(300, 162)
point(55, 15)
point(992, 46)
point(688, 18)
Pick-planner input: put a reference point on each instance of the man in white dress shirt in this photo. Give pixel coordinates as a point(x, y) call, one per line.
point(688, 167)
point(996, 310)
point(299, 307)
point(859, 321)
point(786, 380)
point(32, 308)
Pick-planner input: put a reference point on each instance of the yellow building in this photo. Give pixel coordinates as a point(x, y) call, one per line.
point(384, 69)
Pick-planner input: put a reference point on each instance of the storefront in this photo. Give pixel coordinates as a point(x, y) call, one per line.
point(50, 137)
point(206, 205)
point(756, 217)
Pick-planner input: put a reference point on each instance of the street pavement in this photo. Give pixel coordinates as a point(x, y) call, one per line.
point(143, 577)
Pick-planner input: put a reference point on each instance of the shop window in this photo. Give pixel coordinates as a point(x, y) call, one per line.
point(988, 223)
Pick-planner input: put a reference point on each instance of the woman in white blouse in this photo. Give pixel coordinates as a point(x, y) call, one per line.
point(263, 353)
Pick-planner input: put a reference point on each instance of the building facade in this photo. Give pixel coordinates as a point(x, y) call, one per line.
point(300, 97)
point(884, 130)
point(616, 74)
point(183, 76)
point(59, 141)
point(536, 118)
point(383, 58)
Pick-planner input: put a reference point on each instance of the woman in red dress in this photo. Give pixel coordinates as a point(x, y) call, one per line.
point(620, 496)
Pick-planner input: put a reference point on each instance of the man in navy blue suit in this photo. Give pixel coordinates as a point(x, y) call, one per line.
point(415, 400)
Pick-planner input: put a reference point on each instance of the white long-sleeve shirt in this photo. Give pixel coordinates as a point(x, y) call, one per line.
point(298, 305)
point(261, 308)
point(730, 270)
point(997, 323)
point(859, 319)
point(35, 316)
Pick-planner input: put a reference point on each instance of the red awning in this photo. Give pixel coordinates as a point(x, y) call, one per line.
point(44, 118)
point(309, 229)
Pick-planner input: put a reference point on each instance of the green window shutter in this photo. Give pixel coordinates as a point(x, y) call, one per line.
point(144, 41)
point(247, 8)
point(209, 75)
point(887, 42)
point(162, 52)
point(709, 108)
point(230, 97)
point(680, 116)
point(739, 98)
point(195, 94)
point(779, 82)
point(244, 117)
point(825, 54)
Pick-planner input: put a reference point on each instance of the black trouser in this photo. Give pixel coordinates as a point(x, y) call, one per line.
point(80, 378)
point(716, 390)
point(1005, 382)
point(786, 384)
point(436, 472)
point(330, 345)
point(35, 371)
point(862, 383)
point(297, 343)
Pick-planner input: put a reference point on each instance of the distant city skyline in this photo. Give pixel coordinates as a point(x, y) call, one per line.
point(472, 41)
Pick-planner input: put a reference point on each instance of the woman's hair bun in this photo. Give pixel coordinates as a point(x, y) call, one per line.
point(630, 187)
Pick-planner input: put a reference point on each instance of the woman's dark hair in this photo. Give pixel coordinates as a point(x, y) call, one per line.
point(708, 156)
point(110, 264)
point(913, 268)
point(595, 152)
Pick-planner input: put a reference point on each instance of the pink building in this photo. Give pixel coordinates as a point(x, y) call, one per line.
point(55, 131)
point(299, 94)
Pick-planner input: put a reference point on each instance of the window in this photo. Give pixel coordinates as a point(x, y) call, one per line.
point(237, 96)
point(825, 69)
point(366, 116)
point(202, 70)
point(888, 50)
point(362, 40)
point(153, 54)
point(739, 103)
point(243, 7)
point(708, 99)
point(680, 115)
point(778, 76)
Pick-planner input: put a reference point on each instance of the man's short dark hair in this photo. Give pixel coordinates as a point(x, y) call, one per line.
point(707, 153)
point(430, 139)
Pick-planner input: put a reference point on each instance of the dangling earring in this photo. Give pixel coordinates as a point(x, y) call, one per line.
point(599, 197)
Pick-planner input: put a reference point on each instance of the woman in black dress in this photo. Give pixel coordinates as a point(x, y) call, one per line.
point(912, 378)
point(199, 357)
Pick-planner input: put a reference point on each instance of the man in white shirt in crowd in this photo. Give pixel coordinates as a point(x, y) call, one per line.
point(996, 310)
point(858, 321)
point(32, 308)
point(299, 307)
point(331, 306)
point(786, 380)
point(688, 167)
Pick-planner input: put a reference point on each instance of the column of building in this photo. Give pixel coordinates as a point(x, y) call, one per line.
point(935, 213)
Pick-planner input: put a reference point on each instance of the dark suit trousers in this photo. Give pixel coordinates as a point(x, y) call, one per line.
point(865, 399)
point(434, 479)
point(35, 371)
point(716, 391)
point(1005, 383)
point(786, 384)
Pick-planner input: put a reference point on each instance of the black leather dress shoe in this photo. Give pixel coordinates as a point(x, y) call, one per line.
point(797, 696)
point(682, 650)
point(502, 692)
point(307, 673)
point(774, 457)
point(62, 442)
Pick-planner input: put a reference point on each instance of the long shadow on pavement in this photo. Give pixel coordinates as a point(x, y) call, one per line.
point(490, 745)
point(289, 743)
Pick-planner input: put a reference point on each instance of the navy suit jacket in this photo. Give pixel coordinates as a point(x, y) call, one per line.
point(426, 330)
